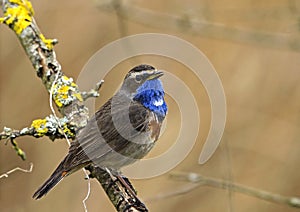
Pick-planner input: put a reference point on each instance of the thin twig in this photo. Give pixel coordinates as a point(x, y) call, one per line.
point(188, 23)
point(93, 92)
point(88, 191)
point(184, 190)
point(222, 184)
point(17, 169)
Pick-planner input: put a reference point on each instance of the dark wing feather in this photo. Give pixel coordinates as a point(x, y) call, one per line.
point(100, 137)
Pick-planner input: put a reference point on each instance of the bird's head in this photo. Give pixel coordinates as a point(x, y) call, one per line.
point(140, 78)
point(142, 84)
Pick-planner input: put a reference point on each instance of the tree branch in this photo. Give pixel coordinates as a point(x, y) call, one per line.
point(18, 15)
point(122, 199)
point(200, 180)
point(202, 27)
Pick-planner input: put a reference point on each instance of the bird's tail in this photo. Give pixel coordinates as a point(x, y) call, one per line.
point(55, 178)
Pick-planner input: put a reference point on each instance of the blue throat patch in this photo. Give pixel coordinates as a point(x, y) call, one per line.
point(151, 95)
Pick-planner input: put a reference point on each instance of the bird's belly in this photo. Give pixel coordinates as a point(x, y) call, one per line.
point(132, 152)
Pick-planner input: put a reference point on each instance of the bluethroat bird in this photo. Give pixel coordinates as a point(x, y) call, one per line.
point(121, 132)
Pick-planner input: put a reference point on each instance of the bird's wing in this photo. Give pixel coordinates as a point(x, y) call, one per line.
point(110, 129)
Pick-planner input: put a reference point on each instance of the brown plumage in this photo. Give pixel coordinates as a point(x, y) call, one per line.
point(122, 131)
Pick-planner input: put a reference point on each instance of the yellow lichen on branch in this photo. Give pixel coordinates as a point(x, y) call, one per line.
point(67, 131)
point(65, 91)
point(53, 127)
point(48, 42)
point(19, 16)
point(40, 127)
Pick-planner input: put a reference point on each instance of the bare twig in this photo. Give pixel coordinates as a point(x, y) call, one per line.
point(202, 27)
point(88, 191)
point(17, 169)
point(184, 190)
point(200, 180)
point(93, 92)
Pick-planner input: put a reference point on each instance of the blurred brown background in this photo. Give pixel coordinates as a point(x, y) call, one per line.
point(254, 46)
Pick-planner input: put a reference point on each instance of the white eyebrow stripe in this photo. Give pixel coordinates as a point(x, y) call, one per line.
point(142, 72)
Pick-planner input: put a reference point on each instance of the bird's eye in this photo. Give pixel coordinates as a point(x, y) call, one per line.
point(138, 78)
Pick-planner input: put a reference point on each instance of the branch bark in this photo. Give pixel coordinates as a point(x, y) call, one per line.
point(18, 15)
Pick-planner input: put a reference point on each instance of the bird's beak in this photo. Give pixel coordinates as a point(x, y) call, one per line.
point(156, 74)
